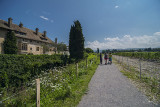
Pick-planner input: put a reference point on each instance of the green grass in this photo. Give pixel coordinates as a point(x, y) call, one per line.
point(60, 87)
point(78, 87)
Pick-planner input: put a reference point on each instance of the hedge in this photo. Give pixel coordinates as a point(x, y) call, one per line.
point(15, 70)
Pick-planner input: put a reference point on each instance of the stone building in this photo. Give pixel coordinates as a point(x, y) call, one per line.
point(28, 41)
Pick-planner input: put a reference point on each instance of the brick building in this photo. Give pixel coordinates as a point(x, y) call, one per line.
point(28, 41)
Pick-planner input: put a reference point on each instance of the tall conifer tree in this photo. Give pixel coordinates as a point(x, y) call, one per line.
point(10, 43)
point(76, 41)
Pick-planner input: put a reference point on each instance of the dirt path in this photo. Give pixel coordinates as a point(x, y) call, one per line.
point(109, 88)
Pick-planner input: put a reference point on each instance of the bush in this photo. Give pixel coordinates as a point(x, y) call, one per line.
point(15, 70)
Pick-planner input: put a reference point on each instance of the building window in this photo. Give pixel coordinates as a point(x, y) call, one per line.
point(24, 46)
point(30, 48)
point(37, 49)
point(20, 33)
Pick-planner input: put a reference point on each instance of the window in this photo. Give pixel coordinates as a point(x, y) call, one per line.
point(42, 38)
point(24, 46)
point(20, 33)
point(37, 49)
point(30, 48)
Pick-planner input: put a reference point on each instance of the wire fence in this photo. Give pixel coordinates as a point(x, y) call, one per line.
point(54, 85)
point(58, 82)
point(23, 95)
point(147, 71)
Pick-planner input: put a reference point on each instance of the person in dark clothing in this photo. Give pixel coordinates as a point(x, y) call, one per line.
point(101, 58)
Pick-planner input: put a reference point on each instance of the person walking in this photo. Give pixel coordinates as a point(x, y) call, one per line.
point(101, 58)
point(106, 58)
point(110, 58)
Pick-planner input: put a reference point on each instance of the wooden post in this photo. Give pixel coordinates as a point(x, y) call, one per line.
point(76, 69)
point(128, 63)
point(159, 85)
point(122, 60)
point(140, 68)
point(38, 92)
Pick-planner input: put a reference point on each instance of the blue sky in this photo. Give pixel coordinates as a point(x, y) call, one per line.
point(106, 23)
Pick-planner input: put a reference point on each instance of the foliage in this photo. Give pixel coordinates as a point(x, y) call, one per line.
point(97, 50)
point(69, 88)
point(45, 48)
point(141, 55)
point(10, 43)
point(16, 70)
point(60, 87)
point(89, 50)
point(61, 47)
point(76, 41)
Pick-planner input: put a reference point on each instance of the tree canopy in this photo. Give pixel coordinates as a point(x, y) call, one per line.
point(76, 41)
point(61, 47)
point(89, 50)
point(10, 43)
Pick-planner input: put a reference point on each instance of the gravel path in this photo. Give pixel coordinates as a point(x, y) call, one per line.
point(109, 88)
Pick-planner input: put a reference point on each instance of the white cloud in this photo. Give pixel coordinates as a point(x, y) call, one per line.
point(112, 39)
point(45, 18)
point(157, 33)
point(116, 6)
point(127, 41)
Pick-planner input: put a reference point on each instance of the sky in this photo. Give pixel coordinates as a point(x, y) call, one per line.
point(106, 24)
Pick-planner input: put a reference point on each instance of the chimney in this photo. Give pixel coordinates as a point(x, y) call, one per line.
point(9, 21)
point(44, 33)
point(55, 40)
point(21, 25)
point(37, 31)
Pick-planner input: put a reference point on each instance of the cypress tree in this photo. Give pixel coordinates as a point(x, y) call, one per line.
point(10, 43)
point(76, 41)
point(97, 50)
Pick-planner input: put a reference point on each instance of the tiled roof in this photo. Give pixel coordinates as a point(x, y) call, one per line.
point(30, 34)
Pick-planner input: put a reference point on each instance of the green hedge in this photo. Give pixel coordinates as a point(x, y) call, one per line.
point(16, 70)
point(142, 55)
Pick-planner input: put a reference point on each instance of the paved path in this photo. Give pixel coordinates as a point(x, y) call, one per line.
point(109, 88)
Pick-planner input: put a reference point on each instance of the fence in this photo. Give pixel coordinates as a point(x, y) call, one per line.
point(51, 85)
point(148, 71)
point(57, 85)
point(14, 97)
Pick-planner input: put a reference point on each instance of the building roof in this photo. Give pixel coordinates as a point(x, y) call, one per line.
point(28, 33)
